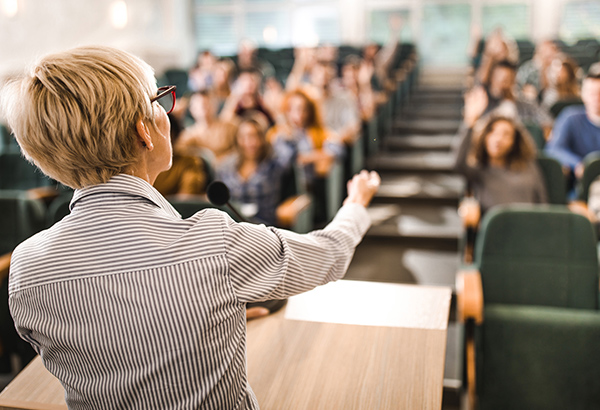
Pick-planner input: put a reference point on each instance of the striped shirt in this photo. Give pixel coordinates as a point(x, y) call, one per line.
point(131, 306)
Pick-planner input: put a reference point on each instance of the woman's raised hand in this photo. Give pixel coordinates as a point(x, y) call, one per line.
point(362, 187)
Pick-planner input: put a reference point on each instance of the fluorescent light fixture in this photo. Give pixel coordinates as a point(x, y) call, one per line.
point(270, 35)
point(10, 7)
point(118, 14)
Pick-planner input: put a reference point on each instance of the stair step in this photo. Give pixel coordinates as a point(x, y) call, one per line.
point(426, 89)
point(420, 142)
point(422, 186)
point(411, 162)
point(430, 126)
point(439, 98)
point(415, 221)
point(435, 112)
point(403, 264)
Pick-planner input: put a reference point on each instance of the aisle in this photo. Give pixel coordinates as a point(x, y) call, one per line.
point(416, 228)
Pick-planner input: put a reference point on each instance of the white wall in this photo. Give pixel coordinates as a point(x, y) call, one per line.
point(158, 31)
point(161, 31)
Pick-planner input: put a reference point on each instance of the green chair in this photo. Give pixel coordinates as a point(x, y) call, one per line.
point(188, 207)
point(556, 184)
point(537, 133)
point(531, 310)
point(18, 173)
point(20, 217)
point(591, 171)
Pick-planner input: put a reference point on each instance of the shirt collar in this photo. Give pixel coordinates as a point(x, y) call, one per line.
point(127, 184)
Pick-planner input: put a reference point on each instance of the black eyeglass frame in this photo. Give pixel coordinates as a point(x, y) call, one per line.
point(163, 92)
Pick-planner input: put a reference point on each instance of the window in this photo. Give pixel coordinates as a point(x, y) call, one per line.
point(268, 29)
point(513, 18)
point(580, 19)
point(316, 24)
point(216, 32)
point(379, 25)
point(445, 34)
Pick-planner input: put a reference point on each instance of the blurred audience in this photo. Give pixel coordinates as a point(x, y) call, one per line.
point(247, 60)
point(245, 99)
point(498, 47)
point(533, 75)
point(563, 89)
point(497, 156)
point(252, 174)
point(501, 96)
point(339, 107)
point(187, 175)
point(209, 133)
point(577, 129)
point(301, 138)
point(200, 77)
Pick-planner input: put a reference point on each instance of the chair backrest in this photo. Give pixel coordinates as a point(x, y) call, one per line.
point(591, 171)
point(59, 208)
point(537, 255)
point(537, 133)
point(189, 207)
point(20, 218)
point(18, 173)
point(556, 184)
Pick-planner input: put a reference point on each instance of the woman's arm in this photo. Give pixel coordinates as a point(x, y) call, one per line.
point(270, 263)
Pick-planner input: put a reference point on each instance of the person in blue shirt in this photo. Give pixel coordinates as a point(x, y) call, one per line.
point(576, 132)
point(253, 174)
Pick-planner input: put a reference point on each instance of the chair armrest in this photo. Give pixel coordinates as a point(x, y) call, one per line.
point(469, 296)
point(287, 212)
point(43, 193)
point(581, 208)
point(469, 310)
point(4, 265)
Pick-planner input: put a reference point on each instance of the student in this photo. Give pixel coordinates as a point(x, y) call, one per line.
point(252, 174)
point(497, 158)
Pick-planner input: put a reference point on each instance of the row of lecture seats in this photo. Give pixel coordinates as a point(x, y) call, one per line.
point(585, 52)
point(530, 304)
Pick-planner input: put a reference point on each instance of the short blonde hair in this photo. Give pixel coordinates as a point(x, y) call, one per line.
point(74, 113)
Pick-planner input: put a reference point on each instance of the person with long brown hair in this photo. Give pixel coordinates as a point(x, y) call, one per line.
point(498, 158)
point(252, 174)
point(564, 89)
point(302, 138)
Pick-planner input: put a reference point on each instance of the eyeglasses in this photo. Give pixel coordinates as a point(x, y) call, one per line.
point(166, 97)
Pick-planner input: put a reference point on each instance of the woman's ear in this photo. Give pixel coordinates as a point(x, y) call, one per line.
point(144, 134)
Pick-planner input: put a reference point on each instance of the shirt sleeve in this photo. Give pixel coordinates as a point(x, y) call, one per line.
point(269, 263)
point(460, 149)
point(559, 146)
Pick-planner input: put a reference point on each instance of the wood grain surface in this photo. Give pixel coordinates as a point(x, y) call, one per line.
point(302, 364)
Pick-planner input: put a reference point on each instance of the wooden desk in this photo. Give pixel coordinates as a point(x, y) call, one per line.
point(352, 345)
point(347, 345)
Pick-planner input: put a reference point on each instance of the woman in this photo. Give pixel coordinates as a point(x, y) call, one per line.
point(564, 87)
point(129, 305)
point(498, 160)
point(302, 138)
point(252, 174)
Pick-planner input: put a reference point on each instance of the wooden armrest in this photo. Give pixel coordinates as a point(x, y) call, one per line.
point(469, 296)
point(4, 265)
point(43, 193)
point(287, 212)
point(581, 208)
point(470, 212)
point(469, 305)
